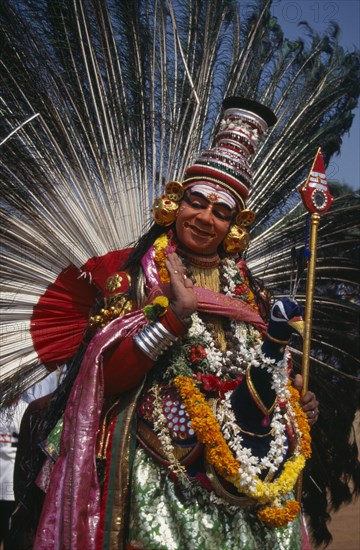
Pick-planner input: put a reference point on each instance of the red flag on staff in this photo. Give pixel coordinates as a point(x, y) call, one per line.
point(315, 192)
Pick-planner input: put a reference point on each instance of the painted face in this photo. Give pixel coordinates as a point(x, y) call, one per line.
point(204, 217)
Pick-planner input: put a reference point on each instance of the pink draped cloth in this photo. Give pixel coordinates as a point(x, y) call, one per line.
point(71, 511)
point(208, 300)
point(227, 306)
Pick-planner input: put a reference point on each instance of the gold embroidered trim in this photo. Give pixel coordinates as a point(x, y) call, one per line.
point(256, 396)
point(271, 432)
point(276, 340)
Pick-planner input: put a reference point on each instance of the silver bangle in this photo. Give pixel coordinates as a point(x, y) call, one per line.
point(154, 339)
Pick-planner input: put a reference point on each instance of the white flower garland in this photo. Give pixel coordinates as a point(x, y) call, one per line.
point(216, 358)
point(250, 354)
point(252, 466)
point(230, 272)
point(160, 427)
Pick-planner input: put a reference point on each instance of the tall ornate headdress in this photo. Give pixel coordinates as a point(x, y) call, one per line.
point(225, 165)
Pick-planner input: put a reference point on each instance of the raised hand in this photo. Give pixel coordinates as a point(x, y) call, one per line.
point(183, 301)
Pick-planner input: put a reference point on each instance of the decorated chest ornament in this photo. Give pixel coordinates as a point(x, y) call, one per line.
point(116, 302)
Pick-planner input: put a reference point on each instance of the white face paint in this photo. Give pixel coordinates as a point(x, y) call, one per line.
point(204, 222)
point(214, 194)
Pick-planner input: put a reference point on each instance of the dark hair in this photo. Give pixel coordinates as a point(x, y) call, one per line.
point(262, 295)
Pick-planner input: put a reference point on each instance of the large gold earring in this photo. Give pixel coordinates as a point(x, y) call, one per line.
point(238, 237)
point(165, 209)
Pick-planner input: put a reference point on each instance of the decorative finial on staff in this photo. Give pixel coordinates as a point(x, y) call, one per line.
point(317, 200)
point(315, 192)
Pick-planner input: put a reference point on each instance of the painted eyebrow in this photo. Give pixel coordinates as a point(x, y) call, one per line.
point(200, 195)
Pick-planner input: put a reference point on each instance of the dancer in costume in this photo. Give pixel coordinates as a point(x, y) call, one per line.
point(183, 394)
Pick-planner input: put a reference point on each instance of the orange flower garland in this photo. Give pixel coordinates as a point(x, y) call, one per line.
point(206, 426)
point(302, 422)
point(220, 456)
point(278, 517)
point(163, 246)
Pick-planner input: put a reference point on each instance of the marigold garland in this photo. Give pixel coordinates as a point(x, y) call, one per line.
point(278, 517)
point(206, 426)
point(163, 246)
point(220, 456)
point(302, 422)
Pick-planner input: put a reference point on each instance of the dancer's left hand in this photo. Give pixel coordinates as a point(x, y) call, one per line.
point(309, 403)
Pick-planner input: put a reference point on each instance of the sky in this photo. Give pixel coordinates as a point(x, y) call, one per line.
point(319, 13)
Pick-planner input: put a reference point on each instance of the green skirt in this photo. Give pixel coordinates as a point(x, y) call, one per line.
point(163, 518)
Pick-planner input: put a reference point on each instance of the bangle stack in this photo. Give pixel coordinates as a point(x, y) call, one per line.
point(154, 339)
